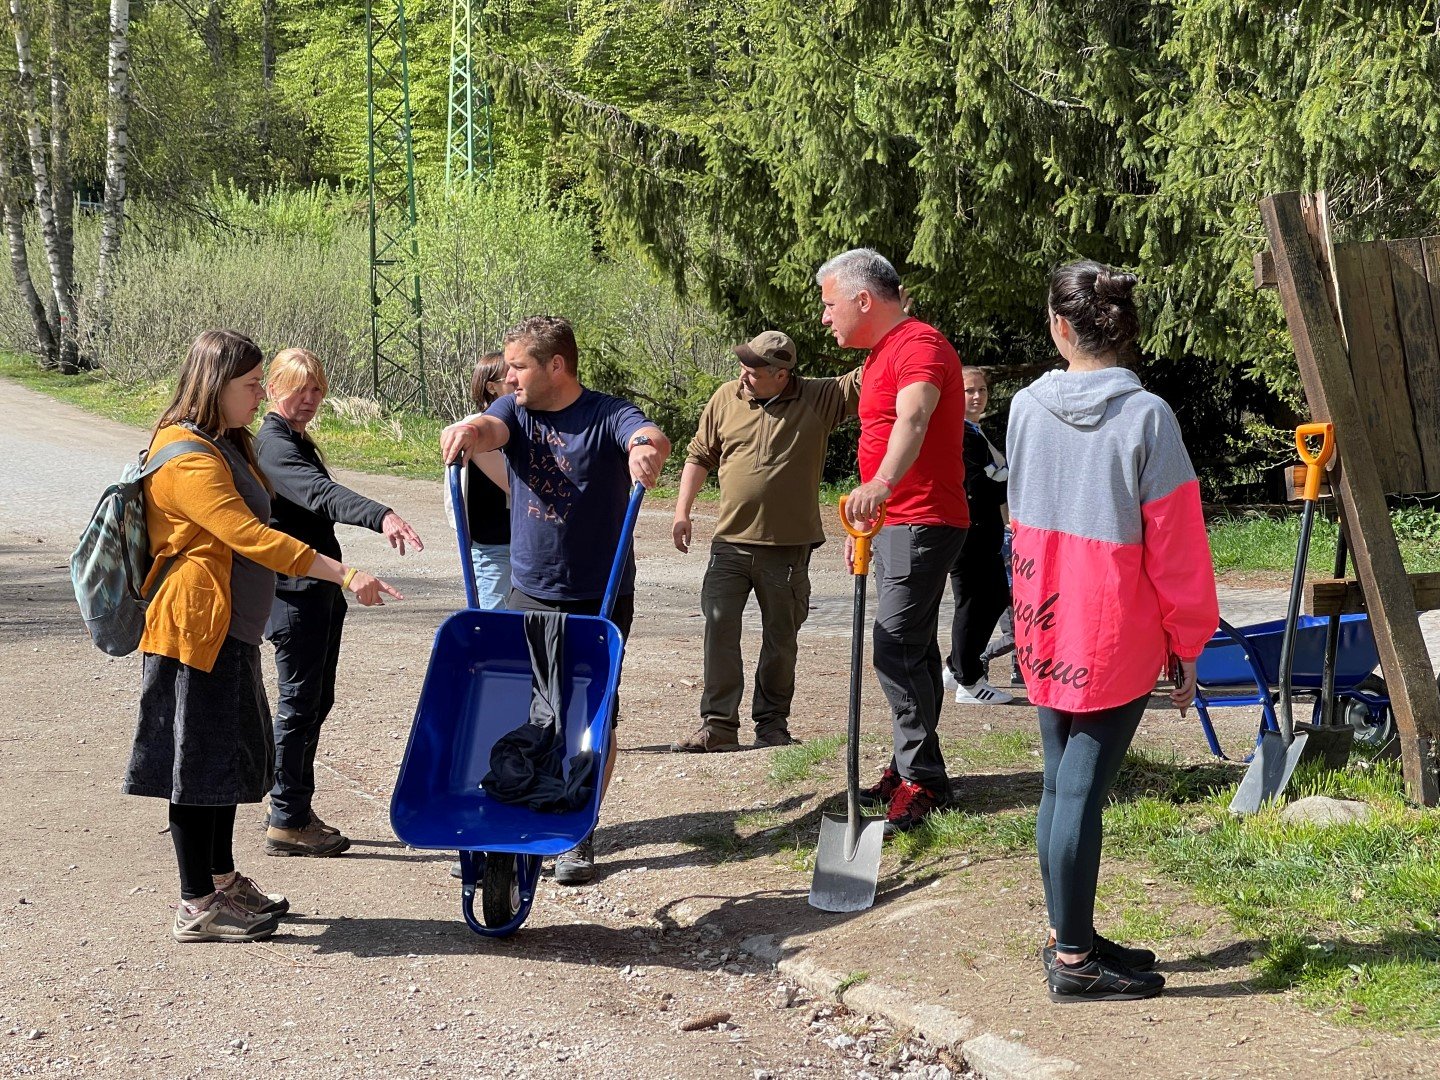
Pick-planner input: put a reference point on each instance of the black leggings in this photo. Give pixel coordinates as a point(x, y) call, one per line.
point(1083, 754)
point(202, 836)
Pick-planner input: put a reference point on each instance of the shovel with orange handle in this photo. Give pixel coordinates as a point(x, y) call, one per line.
point(847, 858)
point(1280, 751)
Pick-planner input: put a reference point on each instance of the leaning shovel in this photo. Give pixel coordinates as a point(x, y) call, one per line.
point(847, 860)
point(1279, 751)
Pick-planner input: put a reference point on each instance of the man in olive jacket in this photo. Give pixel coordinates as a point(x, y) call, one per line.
point(766, 432)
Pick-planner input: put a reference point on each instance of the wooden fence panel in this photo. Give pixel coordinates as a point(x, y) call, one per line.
point(1415, 316)
point(1364, 363)
point(1409, 474)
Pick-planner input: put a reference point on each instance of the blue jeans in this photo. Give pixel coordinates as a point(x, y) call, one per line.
point(492, 574)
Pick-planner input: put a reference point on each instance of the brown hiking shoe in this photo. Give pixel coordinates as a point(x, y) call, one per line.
point(706, 741)
point(776, 737)
point(310, 840)
point(248, 896)
point(218, 918)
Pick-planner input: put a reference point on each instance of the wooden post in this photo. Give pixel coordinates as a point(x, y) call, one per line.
point(1325, 371)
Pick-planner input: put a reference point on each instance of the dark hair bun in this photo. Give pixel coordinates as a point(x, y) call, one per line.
point(1114, 286)
point(1099, 304)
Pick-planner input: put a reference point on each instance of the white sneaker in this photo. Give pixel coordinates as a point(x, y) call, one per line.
point(952, 684)
point(982, 693)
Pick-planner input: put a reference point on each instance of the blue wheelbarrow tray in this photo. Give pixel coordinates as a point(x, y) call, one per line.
point(477, 689)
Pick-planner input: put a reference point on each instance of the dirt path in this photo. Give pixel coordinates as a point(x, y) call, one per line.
point(378, 976)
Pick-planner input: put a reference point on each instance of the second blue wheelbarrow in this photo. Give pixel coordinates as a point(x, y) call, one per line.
point(476, 689)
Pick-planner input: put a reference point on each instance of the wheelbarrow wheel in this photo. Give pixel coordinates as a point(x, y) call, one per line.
point(500, 890)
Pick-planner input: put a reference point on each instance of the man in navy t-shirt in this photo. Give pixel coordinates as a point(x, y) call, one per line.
point(573, 455)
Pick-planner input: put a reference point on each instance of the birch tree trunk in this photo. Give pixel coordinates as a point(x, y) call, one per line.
point(11, 210)
point(62, 193)
point(117, 154)
point(61, 288)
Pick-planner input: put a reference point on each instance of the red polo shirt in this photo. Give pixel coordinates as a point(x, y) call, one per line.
point(932, 491)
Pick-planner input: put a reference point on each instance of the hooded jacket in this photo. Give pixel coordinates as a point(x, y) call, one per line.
point(1112, 567)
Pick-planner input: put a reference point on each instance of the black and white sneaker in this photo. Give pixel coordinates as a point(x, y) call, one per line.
point(1124, 955)
point(982, 693)
point(1098, 978)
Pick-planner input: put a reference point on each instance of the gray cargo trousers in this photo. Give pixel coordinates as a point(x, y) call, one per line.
point(912, 566)
point(780, 579)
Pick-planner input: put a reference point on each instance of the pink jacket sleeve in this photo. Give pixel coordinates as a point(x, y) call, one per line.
point(1178, 564)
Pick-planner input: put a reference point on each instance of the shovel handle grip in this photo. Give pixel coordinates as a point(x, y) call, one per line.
point(1314, 463)
point(861, 562)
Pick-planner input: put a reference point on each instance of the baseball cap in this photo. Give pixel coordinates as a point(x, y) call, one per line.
point(770, 347)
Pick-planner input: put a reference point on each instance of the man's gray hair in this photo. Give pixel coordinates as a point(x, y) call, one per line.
point(862, 268)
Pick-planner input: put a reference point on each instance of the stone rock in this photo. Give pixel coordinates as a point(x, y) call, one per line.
point(1321, 810)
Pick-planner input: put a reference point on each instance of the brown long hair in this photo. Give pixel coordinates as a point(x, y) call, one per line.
point(489, 368)
point(215, 358)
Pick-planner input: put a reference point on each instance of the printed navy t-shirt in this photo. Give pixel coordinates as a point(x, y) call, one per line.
point(569, 483)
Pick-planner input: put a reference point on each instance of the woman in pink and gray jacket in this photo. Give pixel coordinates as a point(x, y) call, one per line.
point(1112, 576)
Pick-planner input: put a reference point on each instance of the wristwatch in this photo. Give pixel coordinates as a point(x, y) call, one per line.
point(641, 440)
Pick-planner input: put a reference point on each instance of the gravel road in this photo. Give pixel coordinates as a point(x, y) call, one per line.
point(376, 975)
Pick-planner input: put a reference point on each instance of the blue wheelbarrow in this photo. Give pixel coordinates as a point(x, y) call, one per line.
point(476, 689)
point(1241, 666)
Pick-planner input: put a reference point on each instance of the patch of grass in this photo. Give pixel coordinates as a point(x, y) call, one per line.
point(996, 750)
point(850, 981)
point(753, 820)
point(720, 845)
point(1257, 541)
point(1391, 983)
point(1136, 919)
point(975, 835)
point(791, 764)
point(1351, 910)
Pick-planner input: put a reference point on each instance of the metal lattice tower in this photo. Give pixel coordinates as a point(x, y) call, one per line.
point(469, 138)
point(397, 355)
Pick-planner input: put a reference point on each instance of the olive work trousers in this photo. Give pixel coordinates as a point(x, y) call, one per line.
point(780, 579)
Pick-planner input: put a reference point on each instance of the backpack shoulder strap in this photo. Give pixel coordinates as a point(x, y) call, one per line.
point(173, 450)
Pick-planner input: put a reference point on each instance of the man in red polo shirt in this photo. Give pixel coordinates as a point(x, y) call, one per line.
point(911, 457)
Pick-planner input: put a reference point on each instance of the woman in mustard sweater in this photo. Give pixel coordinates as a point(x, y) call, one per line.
point(203, 742)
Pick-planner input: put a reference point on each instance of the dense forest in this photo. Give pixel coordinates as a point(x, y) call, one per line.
point(671, 173)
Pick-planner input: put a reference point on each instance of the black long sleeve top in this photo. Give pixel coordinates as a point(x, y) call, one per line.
point(308, 503)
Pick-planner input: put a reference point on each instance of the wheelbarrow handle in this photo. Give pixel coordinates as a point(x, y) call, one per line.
point(456, 476)
point(861, 562)
point(1314, 463)
point(622, 550)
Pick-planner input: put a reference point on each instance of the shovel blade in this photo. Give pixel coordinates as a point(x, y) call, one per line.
point(846, 880)
point(1270, 770)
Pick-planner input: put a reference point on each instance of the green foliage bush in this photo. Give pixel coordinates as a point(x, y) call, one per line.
point(290, 268)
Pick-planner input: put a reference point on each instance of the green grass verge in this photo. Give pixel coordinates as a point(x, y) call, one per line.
point(1347, 916)
point(791, 764)
point(1259, 542)
point(352, 434)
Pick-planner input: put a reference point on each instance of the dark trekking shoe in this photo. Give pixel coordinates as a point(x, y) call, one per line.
point(309, 841)
point(776, 737)
point(1098, 978)
point(706, 741)
point(909, 806)
point(884, 790)
point(1134, 959)
point(577, 866)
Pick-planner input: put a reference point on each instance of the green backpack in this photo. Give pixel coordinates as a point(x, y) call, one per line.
point(112, 560)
